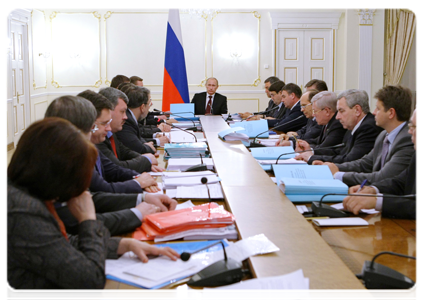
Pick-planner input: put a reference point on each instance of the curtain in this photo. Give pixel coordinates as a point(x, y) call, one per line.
point(401, 26)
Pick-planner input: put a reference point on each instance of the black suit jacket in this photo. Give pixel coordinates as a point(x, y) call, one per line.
point(115, 178)
point(356, 145)
point(289, 116)
point(126, 157)
point(333, 135)
point(130, 136)
point(402, 184)
point(310, 131)
point(220, 104)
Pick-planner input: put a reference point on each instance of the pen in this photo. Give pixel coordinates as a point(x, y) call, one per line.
point(362, 185)
point(296, 141)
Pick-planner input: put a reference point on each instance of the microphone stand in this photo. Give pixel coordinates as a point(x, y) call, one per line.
point(222, 272)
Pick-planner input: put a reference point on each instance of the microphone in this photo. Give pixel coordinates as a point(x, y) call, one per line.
point(204, 181)
point(222, 272)
point(200, 167)
point(186, 130)
point(194, 128)
point(328, 147)
point(229, 118)
point(377, 276)
point(254, 144)
point(324, 210)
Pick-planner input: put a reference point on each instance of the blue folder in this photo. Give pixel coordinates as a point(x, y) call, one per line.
point(183, 111)
point(272, 153)
point(253, 128)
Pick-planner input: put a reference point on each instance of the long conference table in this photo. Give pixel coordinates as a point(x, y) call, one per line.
point(329, 257)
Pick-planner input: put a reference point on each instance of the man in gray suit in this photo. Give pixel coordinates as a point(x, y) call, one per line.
point(393, 148)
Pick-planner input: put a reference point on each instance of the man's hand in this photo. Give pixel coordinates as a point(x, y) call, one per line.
point(333, 168)
point(152, 158)
point(283, 143)
point(364, 190)
point(252, 117)
point(155, 168)
point(152, 189)
point(245, 115)
point(82, 207)
point(164, 127)
point(151, 145)
point(302, 146)
point(161, 117)
point(162, 201)
point(163, 139)
point(305, 156)
point(146, 180)
point(142, 249)
point(317, 162)
point(356, 203)
point(147, 209)
point(172, 121)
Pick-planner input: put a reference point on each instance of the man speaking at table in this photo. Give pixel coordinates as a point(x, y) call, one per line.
point(210, 102)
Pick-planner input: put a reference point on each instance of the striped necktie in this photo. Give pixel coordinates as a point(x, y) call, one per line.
point(112, 141)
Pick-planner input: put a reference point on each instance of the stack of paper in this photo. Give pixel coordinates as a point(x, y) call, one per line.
point(272, 153)
point(235, 134)
point(304, 183)
point(173, 182)
point(179, 136)
point(181, 164)
point(200, 192)
point(188, 124)
point(209, 215)
point(186, 149)
point(228, 232)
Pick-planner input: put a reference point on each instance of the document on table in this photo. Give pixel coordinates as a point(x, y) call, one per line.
point(187, 174)
point(185, 163)
point(341, 222)
point(372, 211)
point(291, 281)
point(179, 136)
point(188, 181)
point(289, 161)
point(199, 192)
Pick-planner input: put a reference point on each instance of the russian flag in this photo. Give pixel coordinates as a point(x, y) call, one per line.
point(175, 82)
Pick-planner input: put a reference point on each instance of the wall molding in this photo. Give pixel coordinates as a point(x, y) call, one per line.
point(305, 20)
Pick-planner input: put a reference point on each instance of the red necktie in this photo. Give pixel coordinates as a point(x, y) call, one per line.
point(112, 141)
point(208, 108)
point(52, 210)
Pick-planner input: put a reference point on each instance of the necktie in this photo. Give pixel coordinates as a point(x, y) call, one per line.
point(52, 210)
point(98, 165)
point(112, 141)
point(385, 150)
point(208, 108)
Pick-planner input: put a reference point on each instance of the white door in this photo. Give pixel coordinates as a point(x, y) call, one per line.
point(19, 78)
point(302, 55)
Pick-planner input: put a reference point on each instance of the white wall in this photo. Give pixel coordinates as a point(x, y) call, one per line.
point(111, 46)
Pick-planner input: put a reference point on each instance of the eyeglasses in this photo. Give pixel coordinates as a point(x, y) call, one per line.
point(411, 126)
point(105, 123)
point(315, 112)
point(304, 106)
point(95, 128)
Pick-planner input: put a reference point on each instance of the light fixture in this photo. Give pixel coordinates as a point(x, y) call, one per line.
point(200, 13)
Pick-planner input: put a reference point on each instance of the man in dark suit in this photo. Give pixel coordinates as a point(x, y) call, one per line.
point(139, 103)
point(109, 177)
point(354, 114)
point(310, 131)
point(402, 184)
point(118, 153)
point(332, 132)
point(393, 148)
point(271, 105)
point(210, 102)
point(293, 119)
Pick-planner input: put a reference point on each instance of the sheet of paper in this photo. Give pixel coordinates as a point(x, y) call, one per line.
point(158, 268)
point(199, 191)
point(187, 174)
point(302, 208)
point(340, 206)
point(189, 181)
point(274, 179)
point(289, 161)
point(258, 244)
point(186, 204)
point(291, 281)
point(341, 222)
point(171, 193)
